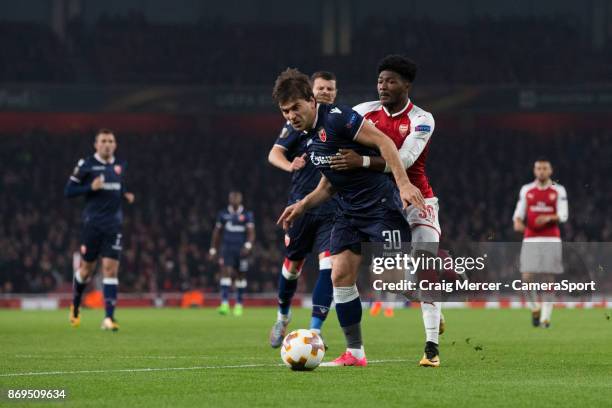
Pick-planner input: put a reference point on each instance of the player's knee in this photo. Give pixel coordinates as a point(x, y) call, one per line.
point(110, 269)
point(292, 269)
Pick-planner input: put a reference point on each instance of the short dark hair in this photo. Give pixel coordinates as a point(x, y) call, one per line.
point(326, 75)
point(542, 159)
point(399, 64)
point(104, 131)
point(290, 85)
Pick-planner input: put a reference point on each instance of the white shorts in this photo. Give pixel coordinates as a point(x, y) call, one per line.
point(425, 226)
point(429, 218)
point(541, 257)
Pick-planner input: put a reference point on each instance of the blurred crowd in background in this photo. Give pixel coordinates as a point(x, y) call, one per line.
point(182, 180)
point(130, 49)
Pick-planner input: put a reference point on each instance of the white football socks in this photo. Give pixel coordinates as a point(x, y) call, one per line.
point(357, 353)
point(431, 320)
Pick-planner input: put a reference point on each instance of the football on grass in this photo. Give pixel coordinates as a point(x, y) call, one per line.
point(302, 350)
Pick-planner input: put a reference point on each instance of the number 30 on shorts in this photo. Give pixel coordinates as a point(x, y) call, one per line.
point(393, 239)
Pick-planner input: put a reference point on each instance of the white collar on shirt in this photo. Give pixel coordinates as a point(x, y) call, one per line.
point(101, 160)
point(397, 113)
point(230, 209)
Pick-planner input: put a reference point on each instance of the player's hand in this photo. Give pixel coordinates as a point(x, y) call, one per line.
point(97, 183)
point(298, 163)
point(346, 159)
point(130, 197)
point(290, 214)
point(246, 249)
point(410, 194)
point(542, 219)
point(519, 226)
point(212, 254)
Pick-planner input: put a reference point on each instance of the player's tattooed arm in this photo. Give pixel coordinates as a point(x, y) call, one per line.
point(277, 158)
point(318, 196)
point(372, 137)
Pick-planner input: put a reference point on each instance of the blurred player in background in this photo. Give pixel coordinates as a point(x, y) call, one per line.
point(234, 233)
point(311, 232)
point(100, 178)
point(541, 207)
point(410, 128)
point(370, 206)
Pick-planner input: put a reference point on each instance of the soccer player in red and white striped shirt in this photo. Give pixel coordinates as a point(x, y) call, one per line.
point(541, 207)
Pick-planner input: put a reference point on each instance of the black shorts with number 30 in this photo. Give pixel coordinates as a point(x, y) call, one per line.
point(100, 242)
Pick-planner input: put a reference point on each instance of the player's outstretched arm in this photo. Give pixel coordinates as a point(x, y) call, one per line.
point(318, 196)
point(372, 137)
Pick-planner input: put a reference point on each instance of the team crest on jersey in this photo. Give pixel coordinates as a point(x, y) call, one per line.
point(83, 249)
point(322, 135)
point(403, 129)
point(552, 196)
point(241, 218)
point(117, 169)
point(530, 196)
point(287, 240)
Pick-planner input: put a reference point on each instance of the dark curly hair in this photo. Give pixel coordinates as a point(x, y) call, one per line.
point(404, 66)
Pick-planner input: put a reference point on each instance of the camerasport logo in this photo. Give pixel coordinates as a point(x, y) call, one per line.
point(322, 135)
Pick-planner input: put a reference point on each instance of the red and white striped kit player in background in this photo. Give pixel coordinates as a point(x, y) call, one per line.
point(541, 207)
point(410, 128)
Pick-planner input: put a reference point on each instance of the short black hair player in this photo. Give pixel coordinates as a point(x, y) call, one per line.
point(100, 179)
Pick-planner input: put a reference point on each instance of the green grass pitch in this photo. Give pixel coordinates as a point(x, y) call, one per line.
point(169, 357)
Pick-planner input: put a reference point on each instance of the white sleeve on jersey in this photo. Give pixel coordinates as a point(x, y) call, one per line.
point(416, 141)
point(521, 206)
point(366, 107)
point(562, 206)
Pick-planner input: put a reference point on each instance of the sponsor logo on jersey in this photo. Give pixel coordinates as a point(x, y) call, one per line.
point(230, 227)
point(422, 128)
point(320, 160)
point(403, 129)
point(111, 186)
point(117, 169)
point(322, 135)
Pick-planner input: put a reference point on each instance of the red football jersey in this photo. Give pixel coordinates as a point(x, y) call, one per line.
point(410, 129)
point(535, 200)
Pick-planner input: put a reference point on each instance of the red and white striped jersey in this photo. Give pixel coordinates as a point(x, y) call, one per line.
point(536, 200)
point(410, 129)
